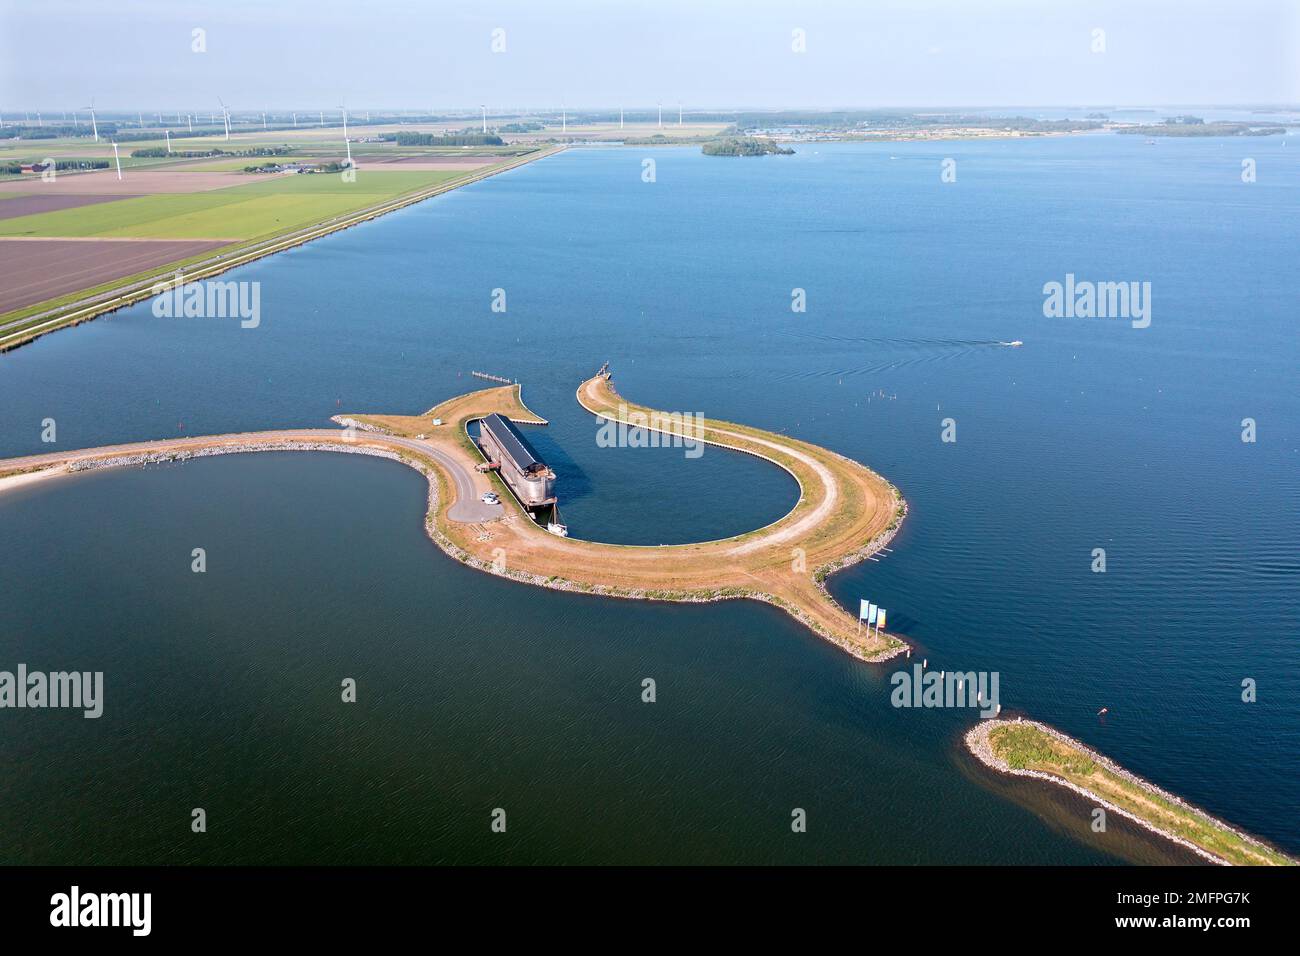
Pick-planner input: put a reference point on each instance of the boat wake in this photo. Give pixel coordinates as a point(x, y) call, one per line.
point(902, 353)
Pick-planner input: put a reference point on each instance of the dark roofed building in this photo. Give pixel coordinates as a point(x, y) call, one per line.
point(514, 444)
point(521, 466)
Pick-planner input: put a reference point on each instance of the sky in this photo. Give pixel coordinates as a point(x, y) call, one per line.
point(720, 54)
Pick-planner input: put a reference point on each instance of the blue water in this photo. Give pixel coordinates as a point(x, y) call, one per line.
point(1094, 434)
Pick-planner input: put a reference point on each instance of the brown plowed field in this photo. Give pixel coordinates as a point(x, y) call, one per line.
point(30, 205)
point(134, 182)
point(35, 270)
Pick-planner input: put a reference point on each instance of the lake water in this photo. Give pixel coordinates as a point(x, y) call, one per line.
point(474, 693)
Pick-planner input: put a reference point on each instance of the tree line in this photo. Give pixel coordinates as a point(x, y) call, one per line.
point(449, 139)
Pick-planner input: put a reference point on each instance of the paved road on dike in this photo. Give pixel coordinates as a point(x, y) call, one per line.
point(468, 509)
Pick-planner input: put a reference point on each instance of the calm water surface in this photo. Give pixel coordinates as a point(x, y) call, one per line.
point(477, 693)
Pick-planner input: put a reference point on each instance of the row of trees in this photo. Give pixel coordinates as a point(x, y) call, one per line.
point(14, 169)
point(10, 131)
point(450, 139)
point(158, 152)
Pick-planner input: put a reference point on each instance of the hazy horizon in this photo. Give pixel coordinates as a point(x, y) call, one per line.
point(404, 55)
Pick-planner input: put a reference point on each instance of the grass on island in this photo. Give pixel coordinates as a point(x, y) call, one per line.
point(1025, 747)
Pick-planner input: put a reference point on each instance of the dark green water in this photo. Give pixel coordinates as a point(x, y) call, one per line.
point(473, 693)
point(223, 688)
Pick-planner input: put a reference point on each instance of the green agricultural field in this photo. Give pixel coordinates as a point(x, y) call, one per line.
point(262, 208)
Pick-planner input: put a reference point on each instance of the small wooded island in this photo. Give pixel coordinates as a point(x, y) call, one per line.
point(744, 146)
point(1195, 126)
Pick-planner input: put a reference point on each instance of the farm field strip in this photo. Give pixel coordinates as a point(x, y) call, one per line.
point(23, 324)
point(34, 271)
point(242, 212)
point(33, 205)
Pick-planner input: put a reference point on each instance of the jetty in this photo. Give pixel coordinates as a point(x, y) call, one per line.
point(1027, 748)
point(493, 378)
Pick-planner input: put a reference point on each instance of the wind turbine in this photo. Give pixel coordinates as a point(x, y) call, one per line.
point(225, 116)
point(347, 142)
point(189, 118)
point(139, 115)
point(679, 112)
point(620, 117)
point(94, 127)
point(117, 159)
point(484, 109)
point(168, 134)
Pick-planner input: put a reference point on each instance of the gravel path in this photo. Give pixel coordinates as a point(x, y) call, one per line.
point(468, 509)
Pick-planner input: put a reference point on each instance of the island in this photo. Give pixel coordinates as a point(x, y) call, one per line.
point(1195, 126)
point(1028, 748)
point(745, 146)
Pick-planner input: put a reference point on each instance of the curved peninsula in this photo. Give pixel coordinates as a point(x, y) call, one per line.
point(1027, 748)
point(845, 511)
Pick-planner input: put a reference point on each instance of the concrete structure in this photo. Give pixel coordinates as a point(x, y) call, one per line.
point(521, 467)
